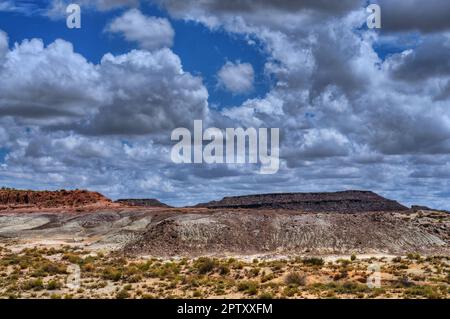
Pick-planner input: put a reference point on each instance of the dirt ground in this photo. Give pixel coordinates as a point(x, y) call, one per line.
point(223, 253)
point(49, 273)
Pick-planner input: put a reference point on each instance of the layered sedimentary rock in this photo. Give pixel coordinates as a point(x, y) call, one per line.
point(345, 202)
point(11, 198)
point(142, 202)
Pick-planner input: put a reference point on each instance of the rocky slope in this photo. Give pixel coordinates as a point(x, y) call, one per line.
point(243, 232)
point(271, 224)
point(19, 199)
point(191, 232)
point(344, 202)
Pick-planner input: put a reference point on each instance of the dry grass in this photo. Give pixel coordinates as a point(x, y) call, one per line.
point(42, 273)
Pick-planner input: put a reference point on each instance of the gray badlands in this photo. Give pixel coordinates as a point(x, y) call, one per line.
point(352, 222)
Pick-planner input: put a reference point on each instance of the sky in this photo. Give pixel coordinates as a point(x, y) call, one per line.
point(357, 108)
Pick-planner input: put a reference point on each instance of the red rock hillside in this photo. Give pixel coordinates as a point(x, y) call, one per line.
point(11, 198)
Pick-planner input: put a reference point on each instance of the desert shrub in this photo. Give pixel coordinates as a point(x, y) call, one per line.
point(313, 261)
point(204, 265)
point(404, 281)
point(123, 294)
point(54, 285)
point(144, 266)
point(267, 277)
point(72, 258)
point(290, 291)
point(277, 265)
point(35, 284)
point(111, 273)
point(265, 295)
point(351, 288)
point(254, 272)
point(341, 275)
point(428, 292)
point(48, 268)
point(353, 257)
point(412, 256)
point(88, 267)
point(224, 270)
point(295, 279)
point(249, 287)
point(134, 278)
point(397, 259)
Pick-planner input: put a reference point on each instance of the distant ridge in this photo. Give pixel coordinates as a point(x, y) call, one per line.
point(345, 202)
point(142, 203)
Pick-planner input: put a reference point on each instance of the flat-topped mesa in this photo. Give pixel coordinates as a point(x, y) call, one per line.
point(142, 203)
point(345, 202)
point(50, 199)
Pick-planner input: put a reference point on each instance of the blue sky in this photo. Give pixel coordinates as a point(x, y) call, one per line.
point(202, 51)
point(356, 108)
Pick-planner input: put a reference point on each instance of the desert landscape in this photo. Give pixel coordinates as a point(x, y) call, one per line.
point(292, 245)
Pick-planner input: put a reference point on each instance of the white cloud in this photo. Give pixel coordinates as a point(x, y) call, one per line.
point(50, 84)
point(150, 33)
point(111, 4)
point(348, 119)
point(157, 95)
point(237, 77)
point(3, 44)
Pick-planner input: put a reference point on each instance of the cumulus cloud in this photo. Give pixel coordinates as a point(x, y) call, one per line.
point(111, 4)
point(415, 15)
point(57, 89)
point(339, 104)
point(430, 59)
point(348, 118)
point(3, 44)
point(238, 6)
point(149, 32)
point(237, 77)
point(47, 84)
point(158, 95)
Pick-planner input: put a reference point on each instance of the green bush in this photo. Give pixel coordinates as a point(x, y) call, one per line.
point(313, 261)
point(249, 287)
point(73, 258)
point(111, 273)
point(122, 294)
point(35, 284)
point(224, 270)
point(265, 295)
point(204, 265)
point(54, 285)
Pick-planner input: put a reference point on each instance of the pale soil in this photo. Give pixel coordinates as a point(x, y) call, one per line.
point(168, 232)
point(27, 274)
point(143, 253)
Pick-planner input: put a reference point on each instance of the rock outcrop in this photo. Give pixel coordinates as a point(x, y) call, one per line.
point(13, 199)
point(142, 203)
point(342, 202)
